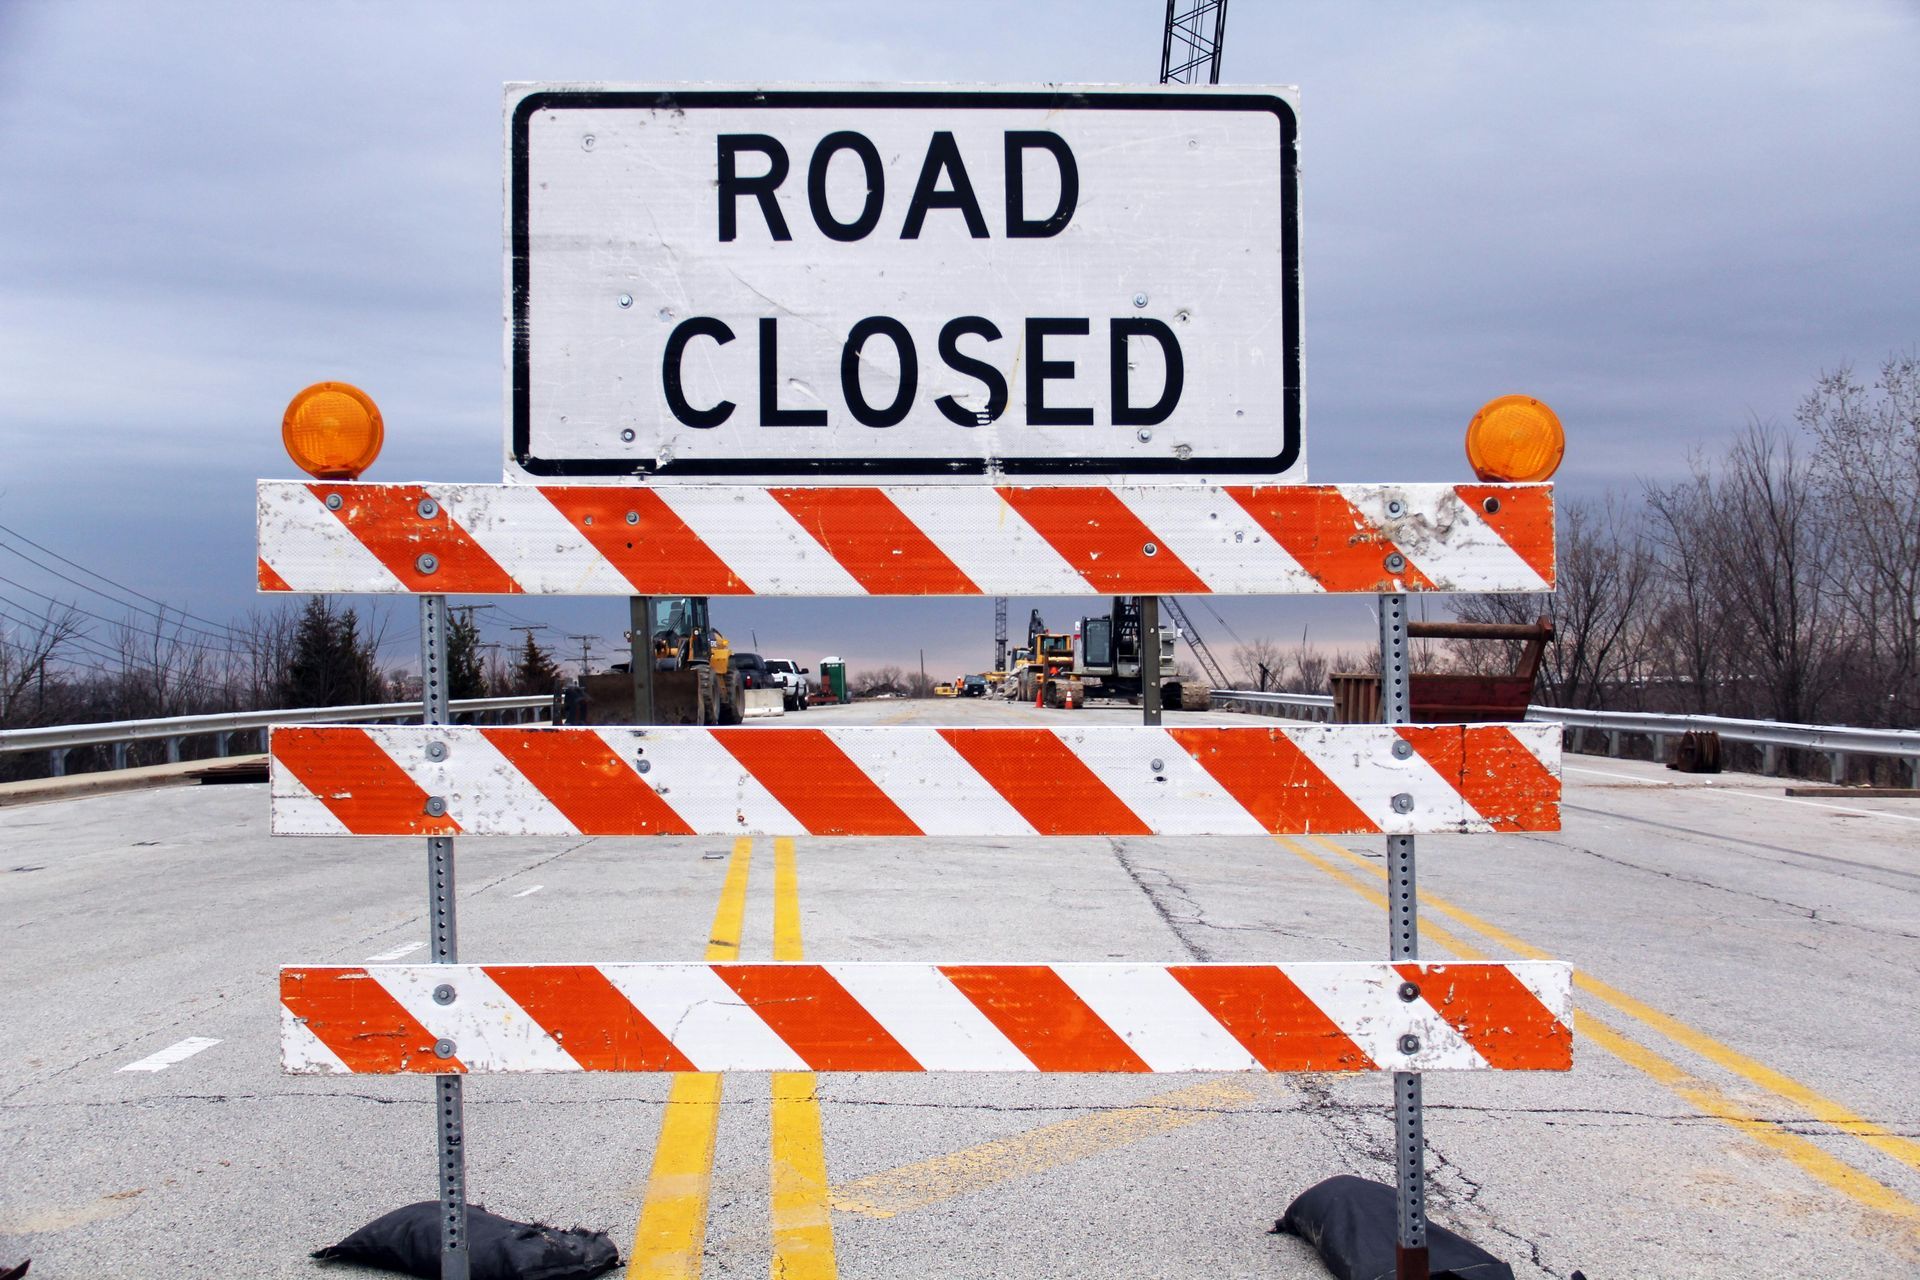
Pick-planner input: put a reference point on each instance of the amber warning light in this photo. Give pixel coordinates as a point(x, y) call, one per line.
point(332, 431)
point(1515, 439)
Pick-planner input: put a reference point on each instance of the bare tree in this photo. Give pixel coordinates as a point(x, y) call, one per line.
point(1606, 570)
point(27, 650)
point(1865, 469)
point(1688, 645)
point(1773, 557)
point(1306, 672)
point(885, 679)
point(1260, 665)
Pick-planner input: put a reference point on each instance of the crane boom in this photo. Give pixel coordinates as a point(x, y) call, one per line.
point(1216, 676)
point(1187, 46)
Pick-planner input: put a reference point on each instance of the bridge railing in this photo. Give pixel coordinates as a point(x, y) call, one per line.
point(58, 740)
point(1837, 742)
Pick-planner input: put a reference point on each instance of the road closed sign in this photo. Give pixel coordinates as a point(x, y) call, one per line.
point(862, 284)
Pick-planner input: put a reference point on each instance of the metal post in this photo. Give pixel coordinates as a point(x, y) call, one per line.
point(449, 1112)
point(1769, 759)
point(640, 628)
point(1838, 764)
point(1613, 743)
point(1149, 659)
point(119, 755)
point(57, 762)
point(1403, 943)
point(173, 750)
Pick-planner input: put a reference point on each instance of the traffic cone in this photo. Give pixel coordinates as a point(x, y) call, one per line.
point(1040, 693)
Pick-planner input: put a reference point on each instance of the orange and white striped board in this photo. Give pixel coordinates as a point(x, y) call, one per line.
point(880, 1016)
point(909, 780)
point(904, 540)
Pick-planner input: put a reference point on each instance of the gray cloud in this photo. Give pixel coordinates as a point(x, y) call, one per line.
point(1659, 218)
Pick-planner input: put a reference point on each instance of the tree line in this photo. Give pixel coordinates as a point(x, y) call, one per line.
point(1779, 578)
point(60, 665)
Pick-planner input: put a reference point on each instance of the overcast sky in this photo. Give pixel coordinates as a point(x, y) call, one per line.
point(1662, 219)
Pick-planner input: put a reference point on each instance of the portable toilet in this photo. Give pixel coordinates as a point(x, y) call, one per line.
point(833, 678)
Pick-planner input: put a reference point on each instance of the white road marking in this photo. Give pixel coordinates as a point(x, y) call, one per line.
point(404, 949)
point(1714, 789)
point(528, 893)
point(171, 1054)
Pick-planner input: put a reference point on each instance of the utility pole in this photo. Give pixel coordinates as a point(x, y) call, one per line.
point(586, 654)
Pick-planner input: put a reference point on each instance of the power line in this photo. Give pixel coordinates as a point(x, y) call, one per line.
point(103, 577)
point(117, 622)
point(226, 633)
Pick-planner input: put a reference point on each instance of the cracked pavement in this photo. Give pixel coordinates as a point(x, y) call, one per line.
point(1788, 932)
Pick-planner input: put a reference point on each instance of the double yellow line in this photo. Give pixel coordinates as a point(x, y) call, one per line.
point(1701, 1095)
point(669, 1242)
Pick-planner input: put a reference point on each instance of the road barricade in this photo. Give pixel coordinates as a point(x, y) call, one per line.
point(450, 1019)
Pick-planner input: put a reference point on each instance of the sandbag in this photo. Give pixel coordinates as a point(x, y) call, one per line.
point(1353, 1223)
point(408, 1241)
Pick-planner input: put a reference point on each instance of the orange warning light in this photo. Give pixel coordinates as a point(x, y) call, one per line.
point(1515, 439)
point(332, 431)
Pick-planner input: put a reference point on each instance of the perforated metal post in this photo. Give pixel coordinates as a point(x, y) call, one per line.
point(1403, 943)
point(444, 940)
point(1149, 659)
point(640, 659)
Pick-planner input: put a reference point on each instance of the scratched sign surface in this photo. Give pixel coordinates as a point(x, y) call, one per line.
point(911, 781)
point(386, 1019)
point(764, 283)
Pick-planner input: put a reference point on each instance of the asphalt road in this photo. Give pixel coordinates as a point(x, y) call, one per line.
point(1741, 1102)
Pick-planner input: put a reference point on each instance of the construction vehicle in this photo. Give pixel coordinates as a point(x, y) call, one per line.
point(1107, 651)
point(693, 678)
point(1043, 671)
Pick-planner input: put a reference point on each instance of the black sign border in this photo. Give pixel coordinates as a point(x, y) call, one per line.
point(564, 99)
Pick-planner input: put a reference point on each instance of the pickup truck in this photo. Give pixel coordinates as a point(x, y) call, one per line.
point(792, 680)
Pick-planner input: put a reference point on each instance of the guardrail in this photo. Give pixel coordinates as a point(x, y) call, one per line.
point(1837, 742)
point(58, 740)
point(1298, 706)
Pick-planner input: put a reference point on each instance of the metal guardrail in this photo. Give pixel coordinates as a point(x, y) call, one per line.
point(1836, 742)
point(1299, 706)
point(57, 740)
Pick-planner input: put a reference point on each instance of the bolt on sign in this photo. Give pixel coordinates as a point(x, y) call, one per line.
point(738, 283)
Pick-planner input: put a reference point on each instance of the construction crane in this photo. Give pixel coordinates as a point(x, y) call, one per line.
point(999, 633)
point(1216, 677)
point(1187, 46)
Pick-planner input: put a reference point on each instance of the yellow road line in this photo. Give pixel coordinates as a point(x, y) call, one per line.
point(1703, 1097)
point(667, 1243)
point(1817, 1105)
point(1709, 1101)
point(929, 1182)
point(802, 1222)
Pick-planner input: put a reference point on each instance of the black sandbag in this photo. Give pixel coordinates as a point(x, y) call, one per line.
point(1354, 1222)
point(408, 1241)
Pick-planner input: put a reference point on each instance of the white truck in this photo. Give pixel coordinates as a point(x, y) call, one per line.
point(792, 680)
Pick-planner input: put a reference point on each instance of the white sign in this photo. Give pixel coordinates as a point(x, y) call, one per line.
point(835, 283)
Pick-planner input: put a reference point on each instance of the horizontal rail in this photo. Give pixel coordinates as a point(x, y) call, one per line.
point(1300, 706)
point(908, 780)
point(1833, 740)
point(1779, 733)
point(62, 738)
point(904, 540)
point(878, 1016)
